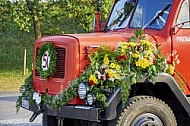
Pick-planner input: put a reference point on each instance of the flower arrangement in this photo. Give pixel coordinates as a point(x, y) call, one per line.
point(108, 68)
point(124, 66)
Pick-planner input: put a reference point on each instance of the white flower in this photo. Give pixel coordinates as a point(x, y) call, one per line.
point(111, 79)
point(97, 66)
point(98, 73)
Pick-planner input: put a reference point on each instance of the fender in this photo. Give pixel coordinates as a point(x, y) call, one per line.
point(110, 112)
point(173, 85)
point(114, 99)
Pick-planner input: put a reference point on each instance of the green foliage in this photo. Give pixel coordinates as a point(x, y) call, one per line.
point(61, 99)
point(55, 17)
point(5, 15)
point(138, 35)
point(28, 93)
point(21, 15)
point(12, 46)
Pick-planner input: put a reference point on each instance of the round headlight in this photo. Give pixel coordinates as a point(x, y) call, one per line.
point(83, 90)
point(91, 98)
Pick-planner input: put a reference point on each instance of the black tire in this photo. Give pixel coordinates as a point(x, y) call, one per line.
point(48, 120)
point(146, 111)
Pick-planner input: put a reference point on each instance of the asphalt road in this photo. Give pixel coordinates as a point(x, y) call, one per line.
point(8, 115)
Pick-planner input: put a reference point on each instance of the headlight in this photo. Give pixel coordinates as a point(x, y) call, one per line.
point(91, 98)
point(83, 90)
point(22, 89)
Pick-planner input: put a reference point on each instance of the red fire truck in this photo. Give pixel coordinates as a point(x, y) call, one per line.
point(163, 103)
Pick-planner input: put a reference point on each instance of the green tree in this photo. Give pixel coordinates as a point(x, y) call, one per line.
point(54, 16)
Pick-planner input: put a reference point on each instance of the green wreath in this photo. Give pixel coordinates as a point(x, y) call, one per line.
point(46, 60)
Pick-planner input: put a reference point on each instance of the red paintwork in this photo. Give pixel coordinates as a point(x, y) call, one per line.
point(76, 59)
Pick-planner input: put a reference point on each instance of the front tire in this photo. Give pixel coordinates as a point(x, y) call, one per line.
point(48, 120)
point(146, 111)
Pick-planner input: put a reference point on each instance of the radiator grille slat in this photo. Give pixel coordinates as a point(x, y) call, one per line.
point(60, 64)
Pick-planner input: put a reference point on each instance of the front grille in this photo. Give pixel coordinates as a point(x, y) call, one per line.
point(60, 64)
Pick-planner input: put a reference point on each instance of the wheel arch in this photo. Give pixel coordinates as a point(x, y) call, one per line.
point(165, 87)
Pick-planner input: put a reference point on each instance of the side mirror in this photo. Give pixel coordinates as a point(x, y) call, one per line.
point(177, 27)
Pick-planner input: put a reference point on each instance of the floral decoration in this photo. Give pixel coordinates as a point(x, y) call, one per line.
point(108, 68)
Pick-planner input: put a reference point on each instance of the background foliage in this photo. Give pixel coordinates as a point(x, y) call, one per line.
point(23, 21)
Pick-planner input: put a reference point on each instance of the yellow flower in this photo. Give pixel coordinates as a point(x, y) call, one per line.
point(170, 69)
point(112, 65)
point(124, 45)
point(106, 59)
point(143, 63)
point(117, 67)
point(117, 76)
point(146, 43)
point(95, 81)
point(123, 51)
point(93, 78)
point(143, 66)
point(110, 72)
point(132, 44)
point(135, 54)
point(138, 63)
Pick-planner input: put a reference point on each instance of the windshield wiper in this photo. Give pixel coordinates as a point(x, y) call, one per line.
point(125, 16)
point(157, 15)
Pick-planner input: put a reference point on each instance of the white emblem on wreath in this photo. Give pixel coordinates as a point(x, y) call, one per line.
point(45, 61)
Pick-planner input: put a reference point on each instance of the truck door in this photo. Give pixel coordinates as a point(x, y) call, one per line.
point(181, 43)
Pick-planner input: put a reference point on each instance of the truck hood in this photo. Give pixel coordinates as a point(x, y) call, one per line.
point(97, 39)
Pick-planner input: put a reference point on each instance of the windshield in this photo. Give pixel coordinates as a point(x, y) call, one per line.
point(120, 15)
point(151, 14)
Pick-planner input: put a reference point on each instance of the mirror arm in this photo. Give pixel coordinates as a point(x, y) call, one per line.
point(173, 30)
point(98, 22)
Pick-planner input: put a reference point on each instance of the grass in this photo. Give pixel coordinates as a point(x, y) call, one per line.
point(11, 81)
point(12, 45)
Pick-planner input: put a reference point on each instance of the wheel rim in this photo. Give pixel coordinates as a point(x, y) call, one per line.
point(147, 119)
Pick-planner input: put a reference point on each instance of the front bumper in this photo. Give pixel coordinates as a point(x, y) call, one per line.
point(82, 112)
point(76, 112)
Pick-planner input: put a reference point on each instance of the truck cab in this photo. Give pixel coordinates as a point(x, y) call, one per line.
point(163, 103)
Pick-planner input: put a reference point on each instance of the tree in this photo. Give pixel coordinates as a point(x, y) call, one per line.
point(40, 14)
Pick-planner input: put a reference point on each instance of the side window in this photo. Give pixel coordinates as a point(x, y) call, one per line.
point(184, 15)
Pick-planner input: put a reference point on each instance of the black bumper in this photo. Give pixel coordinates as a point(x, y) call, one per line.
point(84, 112)
point(76, 112)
